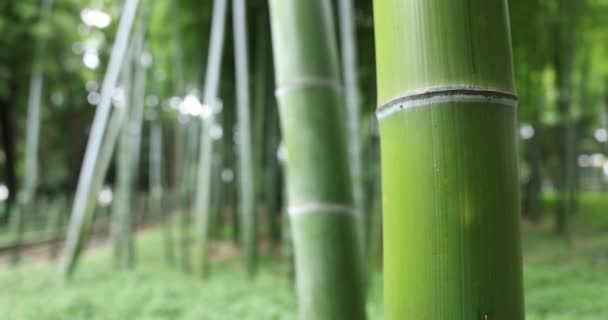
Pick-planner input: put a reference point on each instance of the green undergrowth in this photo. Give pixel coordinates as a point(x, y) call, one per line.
point(563, 279)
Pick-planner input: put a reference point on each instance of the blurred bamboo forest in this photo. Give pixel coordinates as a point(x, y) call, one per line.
point(200, 157)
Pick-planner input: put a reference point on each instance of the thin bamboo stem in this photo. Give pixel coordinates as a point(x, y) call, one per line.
point(27, 199)
point(157, 203)
point(246, 160)
point(82, 201)
point(351, 99)
point(210, 100)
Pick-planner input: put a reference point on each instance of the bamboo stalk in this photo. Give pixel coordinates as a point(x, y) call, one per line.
point(246, 160)
point(189, 141)
point(27, 199)
point(34, 106)
point(449, 161)
point(261, 87)
point(121, 205)
point(157, 203)
point(212, 76)
point(320, 193)
point(351, 99)
point(85, 192)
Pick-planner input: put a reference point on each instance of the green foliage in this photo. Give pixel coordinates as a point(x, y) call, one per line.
point(563, 282)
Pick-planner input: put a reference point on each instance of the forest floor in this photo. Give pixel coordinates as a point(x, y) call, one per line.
point(564, 280)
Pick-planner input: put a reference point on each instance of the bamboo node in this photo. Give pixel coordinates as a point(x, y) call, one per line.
point(440, 95)
point(320, 208)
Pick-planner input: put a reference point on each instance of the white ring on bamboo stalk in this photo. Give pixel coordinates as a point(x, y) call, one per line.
point(320, 208)
point(439, 95)
point(308, 82)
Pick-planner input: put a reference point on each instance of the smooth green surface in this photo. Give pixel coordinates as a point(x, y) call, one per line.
point(450, 201)
point(327, 274)
point(246, 160)
point(429, 43)
point(312, 121)
point(449, 169)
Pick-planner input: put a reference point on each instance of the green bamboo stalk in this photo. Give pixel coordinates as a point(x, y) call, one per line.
point(179, 134)
point(212, 77)
point(351, 99)
point(187, 131)
point(130, 145)
point(32, 135)
point(215, 214)
point(261, 87)
point(121, 209)
point(124, 198)
point(93, 166)
point(155, 175)
point(34, 106)
point(449, 161)
point(246, 160)
point(320, 195)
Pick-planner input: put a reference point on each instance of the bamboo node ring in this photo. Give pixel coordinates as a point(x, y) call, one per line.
point(320, 208)
point(307, 83)
point(438, 95)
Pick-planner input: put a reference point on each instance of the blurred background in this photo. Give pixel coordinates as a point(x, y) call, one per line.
point(137, 243)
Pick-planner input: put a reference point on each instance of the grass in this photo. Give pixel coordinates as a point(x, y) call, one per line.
point(564, 280)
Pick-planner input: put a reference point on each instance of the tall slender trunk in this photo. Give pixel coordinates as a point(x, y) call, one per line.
point(260, 101)
point(123, 213)
point(246, 160)
point(321, 209)
point(34, 110)
point(563, 69)
point(210, 100)
point(28, 194)
point(351, 98)
point(121, 206)
point(87, 189)
point(447, 119)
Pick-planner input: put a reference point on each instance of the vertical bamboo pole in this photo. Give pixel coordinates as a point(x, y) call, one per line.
point(123, 208)
point(34, 106)
point(85, 192)
point(121, 205)
point(351, 99)
point(246, 160)
point(212, 77)
point(180, 135)
point(155, 175)
point(321, 208)
point(447, 119)
point(261, 87)
point(27, 199)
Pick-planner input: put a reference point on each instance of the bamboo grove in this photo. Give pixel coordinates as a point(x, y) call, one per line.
point(334, 140)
